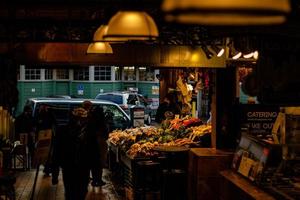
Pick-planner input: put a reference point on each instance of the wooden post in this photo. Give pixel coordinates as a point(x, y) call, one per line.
point(214, 112)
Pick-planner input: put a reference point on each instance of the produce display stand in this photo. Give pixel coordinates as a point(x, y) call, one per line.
point(153, 160)
point(113, 156)
point(130, 172)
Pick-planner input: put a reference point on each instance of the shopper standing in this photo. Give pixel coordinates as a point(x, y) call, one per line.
point(167, 105)
point(98, 134)
point(25, 129)
point(75, 161)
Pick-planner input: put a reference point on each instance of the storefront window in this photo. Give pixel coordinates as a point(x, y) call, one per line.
point(146, 74)
point(32, 73)
point(81, 74)
point(118, 74)
point(48, 74)
point(62, 74)
point(129, 74)
point(102, 73)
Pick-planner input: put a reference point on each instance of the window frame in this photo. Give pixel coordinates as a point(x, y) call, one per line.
point(59, 74)
point(144, 74)
point(32, 73)
point(102, 77)
point(83, 74)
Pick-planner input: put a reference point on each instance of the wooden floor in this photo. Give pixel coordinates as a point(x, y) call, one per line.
point(46, 191)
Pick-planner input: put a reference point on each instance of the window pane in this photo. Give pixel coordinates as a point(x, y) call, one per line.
point(146, 74)
point(81, 74)
point(62, 74)
point(32, 73)
point(118, 74)
point(48, 74)
point(129, 74)
point(102, 73)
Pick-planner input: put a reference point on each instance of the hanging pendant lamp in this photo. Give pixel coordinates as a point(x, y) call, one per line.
point(98, 35)
point(99, 47)
point(227, 12)
point(131, 25)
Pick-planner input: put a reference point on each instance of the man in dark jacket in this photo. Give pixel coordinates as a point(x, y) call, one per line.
point(75, 156)
point(167, 105)
point(98, 134)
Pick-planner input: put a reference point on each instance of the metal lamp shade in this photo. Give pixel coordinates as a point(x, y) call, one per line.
point(227, 12)
point(98, 35)
point(99, 47)
point(131, 25)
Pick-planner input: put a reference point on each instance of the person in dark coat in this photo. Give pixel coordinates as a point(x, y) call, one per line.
point(98, 134)
point(167, 105)
point(75, 158)
point(25, 127)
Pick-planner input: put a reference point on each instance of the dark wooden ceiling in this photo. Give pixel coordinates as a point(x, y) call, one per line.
point(76, 21)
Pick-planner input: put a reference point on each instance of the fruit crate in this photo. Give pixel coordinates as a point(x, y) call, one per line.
point(129, 166)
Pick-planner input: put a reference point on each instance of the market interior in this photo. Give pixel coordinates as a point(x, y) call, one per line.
point(210, 99)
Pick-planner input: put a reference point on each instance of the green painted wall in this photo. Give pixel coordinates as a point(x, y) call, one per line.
point(47, 88)
point(86, 86)
point(30, 89)
point(146, 89)
point(61, 88)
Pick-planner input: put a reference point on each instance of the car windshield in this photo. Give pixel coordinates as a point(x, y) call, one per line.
point(109, 97)
point(62, 111)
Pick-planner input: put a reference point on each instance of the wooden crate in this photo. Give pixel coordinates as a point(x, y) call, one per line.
point(203, 172)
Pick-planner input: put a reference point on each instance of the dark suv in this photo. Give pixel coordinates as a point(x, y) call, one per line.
point(126, 100)
point(61, 108)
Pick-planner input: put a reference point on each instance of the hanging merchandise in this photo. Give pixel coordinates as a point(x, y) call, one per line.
point(184, 93)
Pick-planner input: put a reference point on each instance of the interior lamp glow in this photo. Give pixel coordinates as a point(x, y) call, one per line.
point(237, 56)
point(99, 47)
point(255, 55)
point(219, 51)
point(98, 35)
point(131, 25)
point(249, 55)
point(227, 12)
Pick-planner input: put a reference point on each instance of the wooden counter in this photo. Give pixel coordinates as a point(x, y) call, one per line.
point(234, 186)
point(203, 172)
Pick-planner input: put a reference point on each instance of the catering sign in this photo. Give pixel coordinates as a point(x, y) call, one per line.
point(258, 119)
